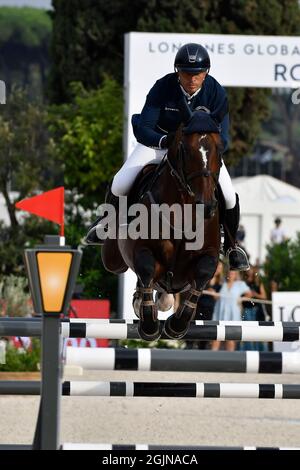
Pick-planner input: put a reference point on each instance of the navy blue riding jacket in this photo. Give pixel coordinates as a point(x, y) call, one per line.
point(160, 113)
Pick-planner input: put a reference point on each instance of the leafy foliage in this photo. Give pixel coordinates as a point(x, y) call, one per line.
point(28, 27)
point(26, 158)
point(282, 265)
point(87, 42)
point(27, 165)
point(24, 41)
point(19, 360)
point(13, 241)
point(88, 138)
point(15, 299)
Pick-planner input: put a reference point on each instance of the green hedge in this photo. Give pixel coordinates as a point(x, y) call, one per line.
point(282, 265)
point(20, 360)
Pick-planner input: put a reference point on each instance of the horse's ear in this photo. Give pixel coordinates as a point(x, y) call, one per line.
point(218, 141)
point(177, 135)
point(172, 149)
point(179, 131)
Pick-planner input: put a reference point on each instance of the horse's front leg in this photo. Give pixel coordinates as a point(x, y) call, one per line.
point(177, 324)
point(144, 266)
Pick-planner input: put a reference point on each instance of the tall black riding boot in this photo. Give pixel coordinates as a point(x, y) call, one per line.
point(92, 236)
point(237, 257)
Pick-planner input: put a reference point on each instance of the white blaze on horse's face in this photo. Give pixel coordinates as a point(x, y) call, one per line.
point(203, 151)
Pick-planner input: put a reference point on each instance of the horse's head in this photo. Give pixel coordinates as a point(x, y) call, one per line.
point(196, 153)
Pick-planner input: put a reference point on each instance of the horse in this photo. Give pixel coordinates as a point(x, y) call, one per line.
point(187, 176)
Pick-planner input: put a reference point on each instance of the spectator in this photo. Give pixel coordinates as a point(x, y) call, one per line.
point(228, 307)
point(277, 233)
point(240, 236)
point(254, 311)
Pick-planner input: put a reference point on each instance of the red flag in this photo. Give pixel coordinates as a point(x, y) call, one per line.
point(49, 205)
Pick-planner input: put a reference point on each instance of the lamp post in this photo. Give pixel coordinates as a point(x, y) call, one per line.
point(52, 271)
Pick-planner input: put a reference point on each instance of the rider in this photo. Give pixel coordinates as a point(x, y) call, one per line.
point(154, 130)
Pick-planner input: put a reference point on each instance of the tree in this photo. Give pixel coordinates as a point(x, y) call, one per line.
point(282, 265)
point(87, 42)
point(27, 165)
point(87, 136)
point(26, 159)
point(24, 43)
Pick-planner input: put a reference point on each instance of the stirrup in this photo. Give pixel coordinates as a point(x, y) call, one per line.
point(92, 238)
point(238, 259)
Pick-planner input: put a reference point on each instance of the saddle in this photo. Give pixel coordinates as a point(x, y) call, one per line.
point(143, 182)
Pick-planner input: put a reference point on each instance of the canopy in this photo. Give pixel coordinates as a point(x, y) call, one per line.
point(262, 199)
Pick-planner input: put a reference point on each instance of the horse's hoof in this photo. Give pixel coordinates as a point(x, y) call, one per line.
point(150, 334)
point(172, 333)
point(164, 301)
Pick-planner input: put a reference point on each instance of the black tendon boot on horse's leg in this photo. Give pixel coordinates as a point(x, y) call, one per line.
point(144, 266)
point(93, 234)
point(177, 324)
point(237, 258)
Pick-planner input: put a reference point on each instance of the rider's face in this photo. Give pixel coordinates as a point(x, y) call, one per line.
point(191, 82)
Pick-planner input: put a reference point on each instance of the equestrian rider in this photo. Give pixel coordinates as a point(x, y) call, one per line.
point(154, 130)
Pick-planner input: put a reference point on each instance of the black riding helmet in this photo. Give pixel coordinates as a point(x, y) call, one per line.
point(192, 58)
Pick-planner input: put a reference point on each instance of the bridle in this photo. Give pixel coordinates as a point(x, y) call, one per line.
point(182, 178)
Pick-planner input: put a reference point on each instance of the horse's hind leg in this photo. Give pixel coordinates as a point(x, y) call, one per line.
point(177, 324)
point(144, 267)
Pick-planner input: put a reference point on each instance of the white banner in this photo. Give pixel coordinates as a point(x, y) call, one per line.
point(286, 307)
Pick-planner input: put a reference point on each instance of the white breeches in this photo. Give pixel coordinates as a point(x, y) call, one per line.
point(143, 155)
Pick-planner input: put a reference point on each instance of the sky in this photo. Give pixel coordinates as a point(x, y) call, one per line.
point(30, 3)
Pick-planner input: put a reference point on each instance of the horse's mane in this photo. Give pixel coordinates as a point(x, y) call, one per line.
point(201, 122)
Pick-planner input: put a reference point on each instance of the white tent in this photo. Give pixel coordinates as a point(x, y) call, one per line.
point(262, 199)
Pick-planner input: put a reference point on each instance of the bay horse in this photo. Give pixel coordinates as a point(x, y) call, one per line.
point(188, 175)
